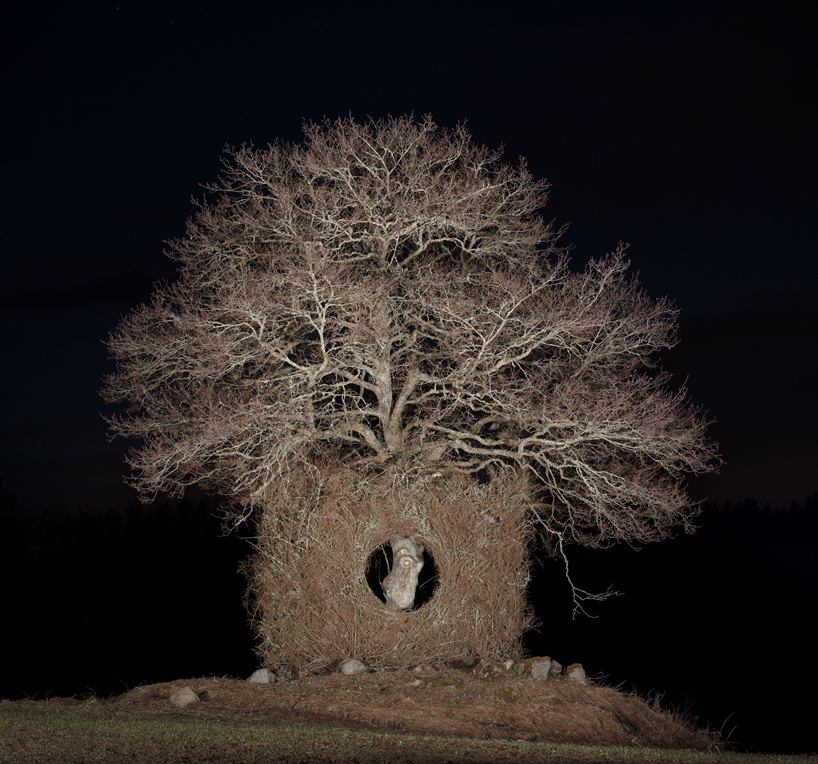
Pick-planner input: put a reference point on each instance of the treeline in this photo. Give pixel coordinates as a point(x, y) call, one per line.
point(197, 521)
point(749, 521)
point(106, 600)
point(721, 621)
point(167, 522)
point(109, 599)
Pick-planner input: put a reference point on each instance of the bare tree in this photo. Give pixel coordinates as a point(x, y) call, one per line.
point(387, 294)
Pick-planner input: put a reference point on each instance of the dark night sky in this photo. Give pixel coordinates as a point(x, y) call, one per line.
point(686, 129)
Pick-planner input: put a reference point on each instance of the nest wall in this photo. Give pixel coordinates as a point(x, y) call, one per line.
point(308, 596)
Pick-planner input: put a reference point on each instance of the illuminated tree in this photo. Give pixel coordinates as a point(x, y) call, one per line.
point(384, 299)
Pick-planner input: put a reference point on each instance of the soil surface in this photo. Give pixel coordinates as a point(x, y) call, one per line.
point(448, 701)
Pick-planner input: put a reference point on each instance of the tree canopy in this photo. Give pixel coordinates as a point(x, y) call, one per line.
point(387, 293)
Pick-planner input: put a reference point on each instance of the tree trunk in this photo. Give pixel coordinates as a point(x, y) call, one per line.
point(400, 585)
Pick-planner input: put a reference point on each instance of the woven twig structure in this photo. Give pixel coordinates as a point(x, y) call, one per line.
point(309, 598)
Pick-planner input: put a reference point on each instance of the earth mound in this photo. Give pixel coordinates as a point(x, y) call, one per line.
point(446, 701)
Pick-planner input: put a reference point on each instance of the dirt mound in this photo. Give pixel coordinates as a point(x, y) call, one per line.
point(449, 701)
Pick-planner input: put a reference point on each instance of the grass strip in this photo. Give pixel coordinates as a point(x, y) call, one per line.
point(33, 733)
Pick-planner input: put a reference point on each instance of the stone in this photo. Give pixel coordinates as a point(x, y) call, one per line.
point(488, 669)
point(351, 666)
point(576, 673)
point(184, 697)
point(539, 668)
point(262, 676)
point(542, 669)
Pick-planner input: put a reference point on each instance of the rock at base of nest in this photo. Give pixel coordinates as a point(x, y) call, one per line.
point(351, 666)
point(576, 673)
point(262, 676)
point(184, 697)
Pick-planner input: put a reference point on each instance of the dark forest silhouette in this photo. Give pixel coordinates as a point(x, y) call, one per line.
point(107, 600)
point(96, 602)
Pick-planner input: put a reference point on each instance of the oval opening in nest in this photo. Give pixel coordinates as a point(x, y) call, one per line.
point(379, 563)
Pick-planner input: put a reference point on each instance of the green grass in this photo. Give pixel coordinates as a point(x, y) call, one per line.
point(37, 732)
